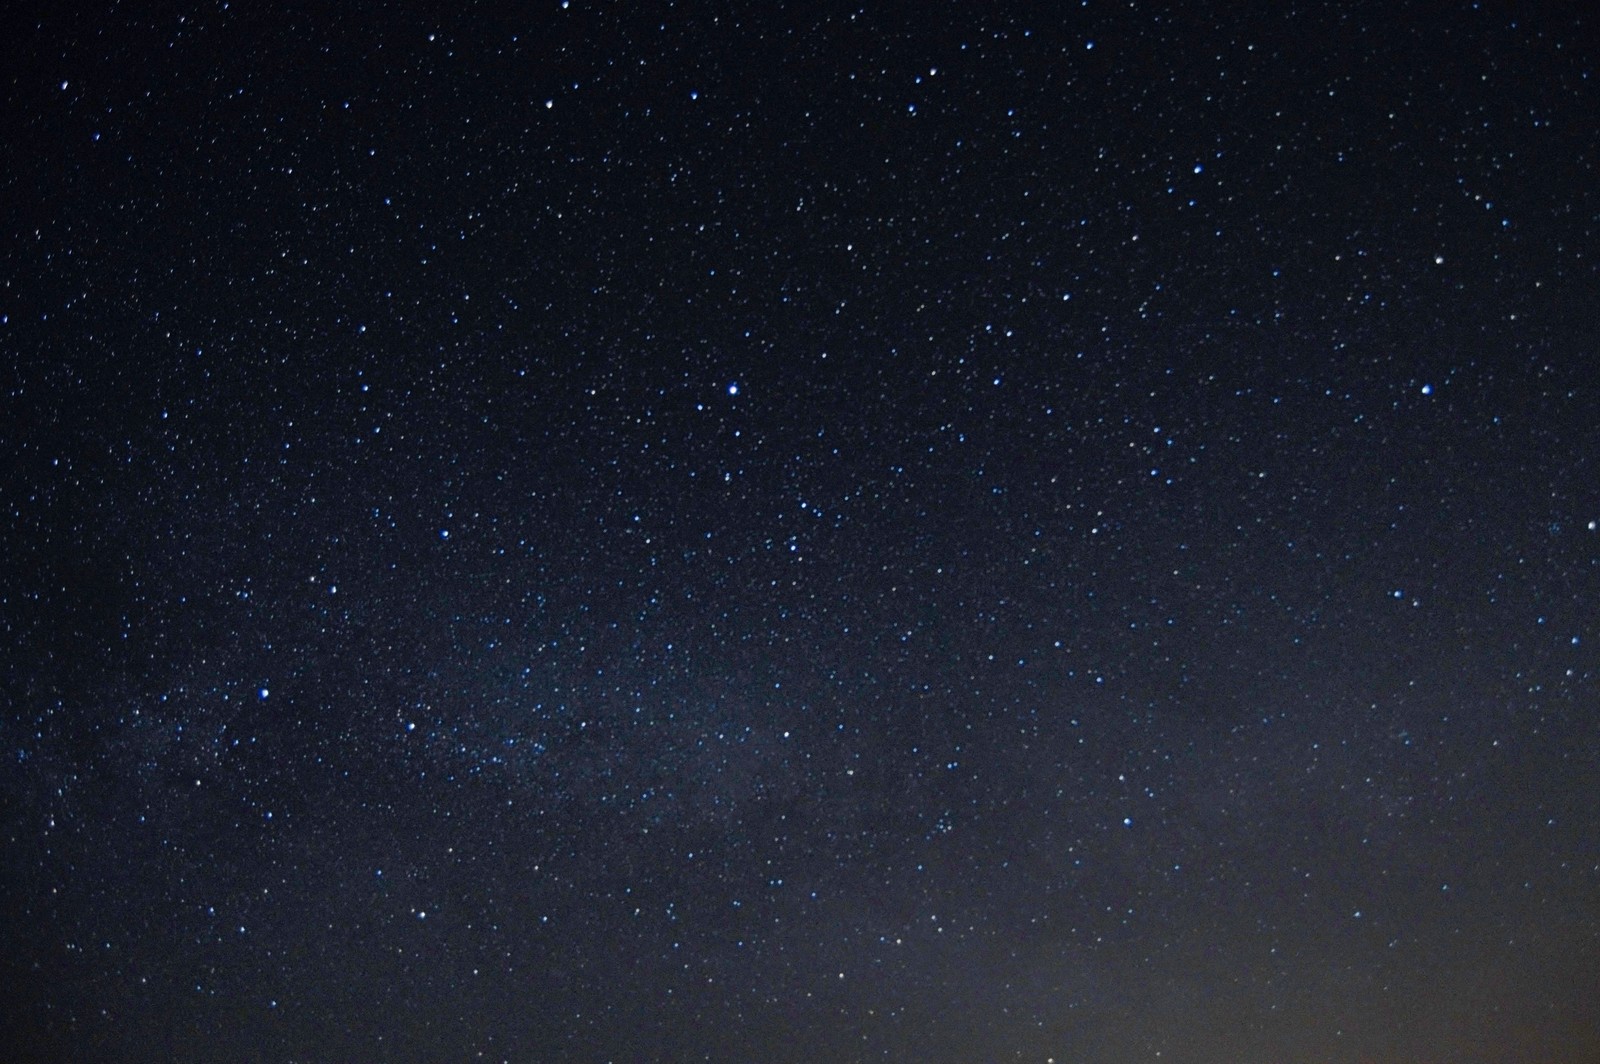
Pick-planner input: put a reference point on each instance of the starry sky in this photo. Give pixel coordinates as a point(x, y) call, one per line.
point(800, 532)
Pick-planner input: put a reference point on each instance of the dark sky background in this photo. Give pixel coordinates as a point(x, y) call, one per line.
point(796, 532)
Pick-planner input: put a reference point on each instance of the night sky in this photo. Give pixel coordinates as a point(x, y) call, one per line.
point(798, 532)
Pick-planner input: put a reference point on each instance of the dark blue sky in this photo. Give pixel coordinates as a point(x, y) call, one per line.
point(800, 532)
